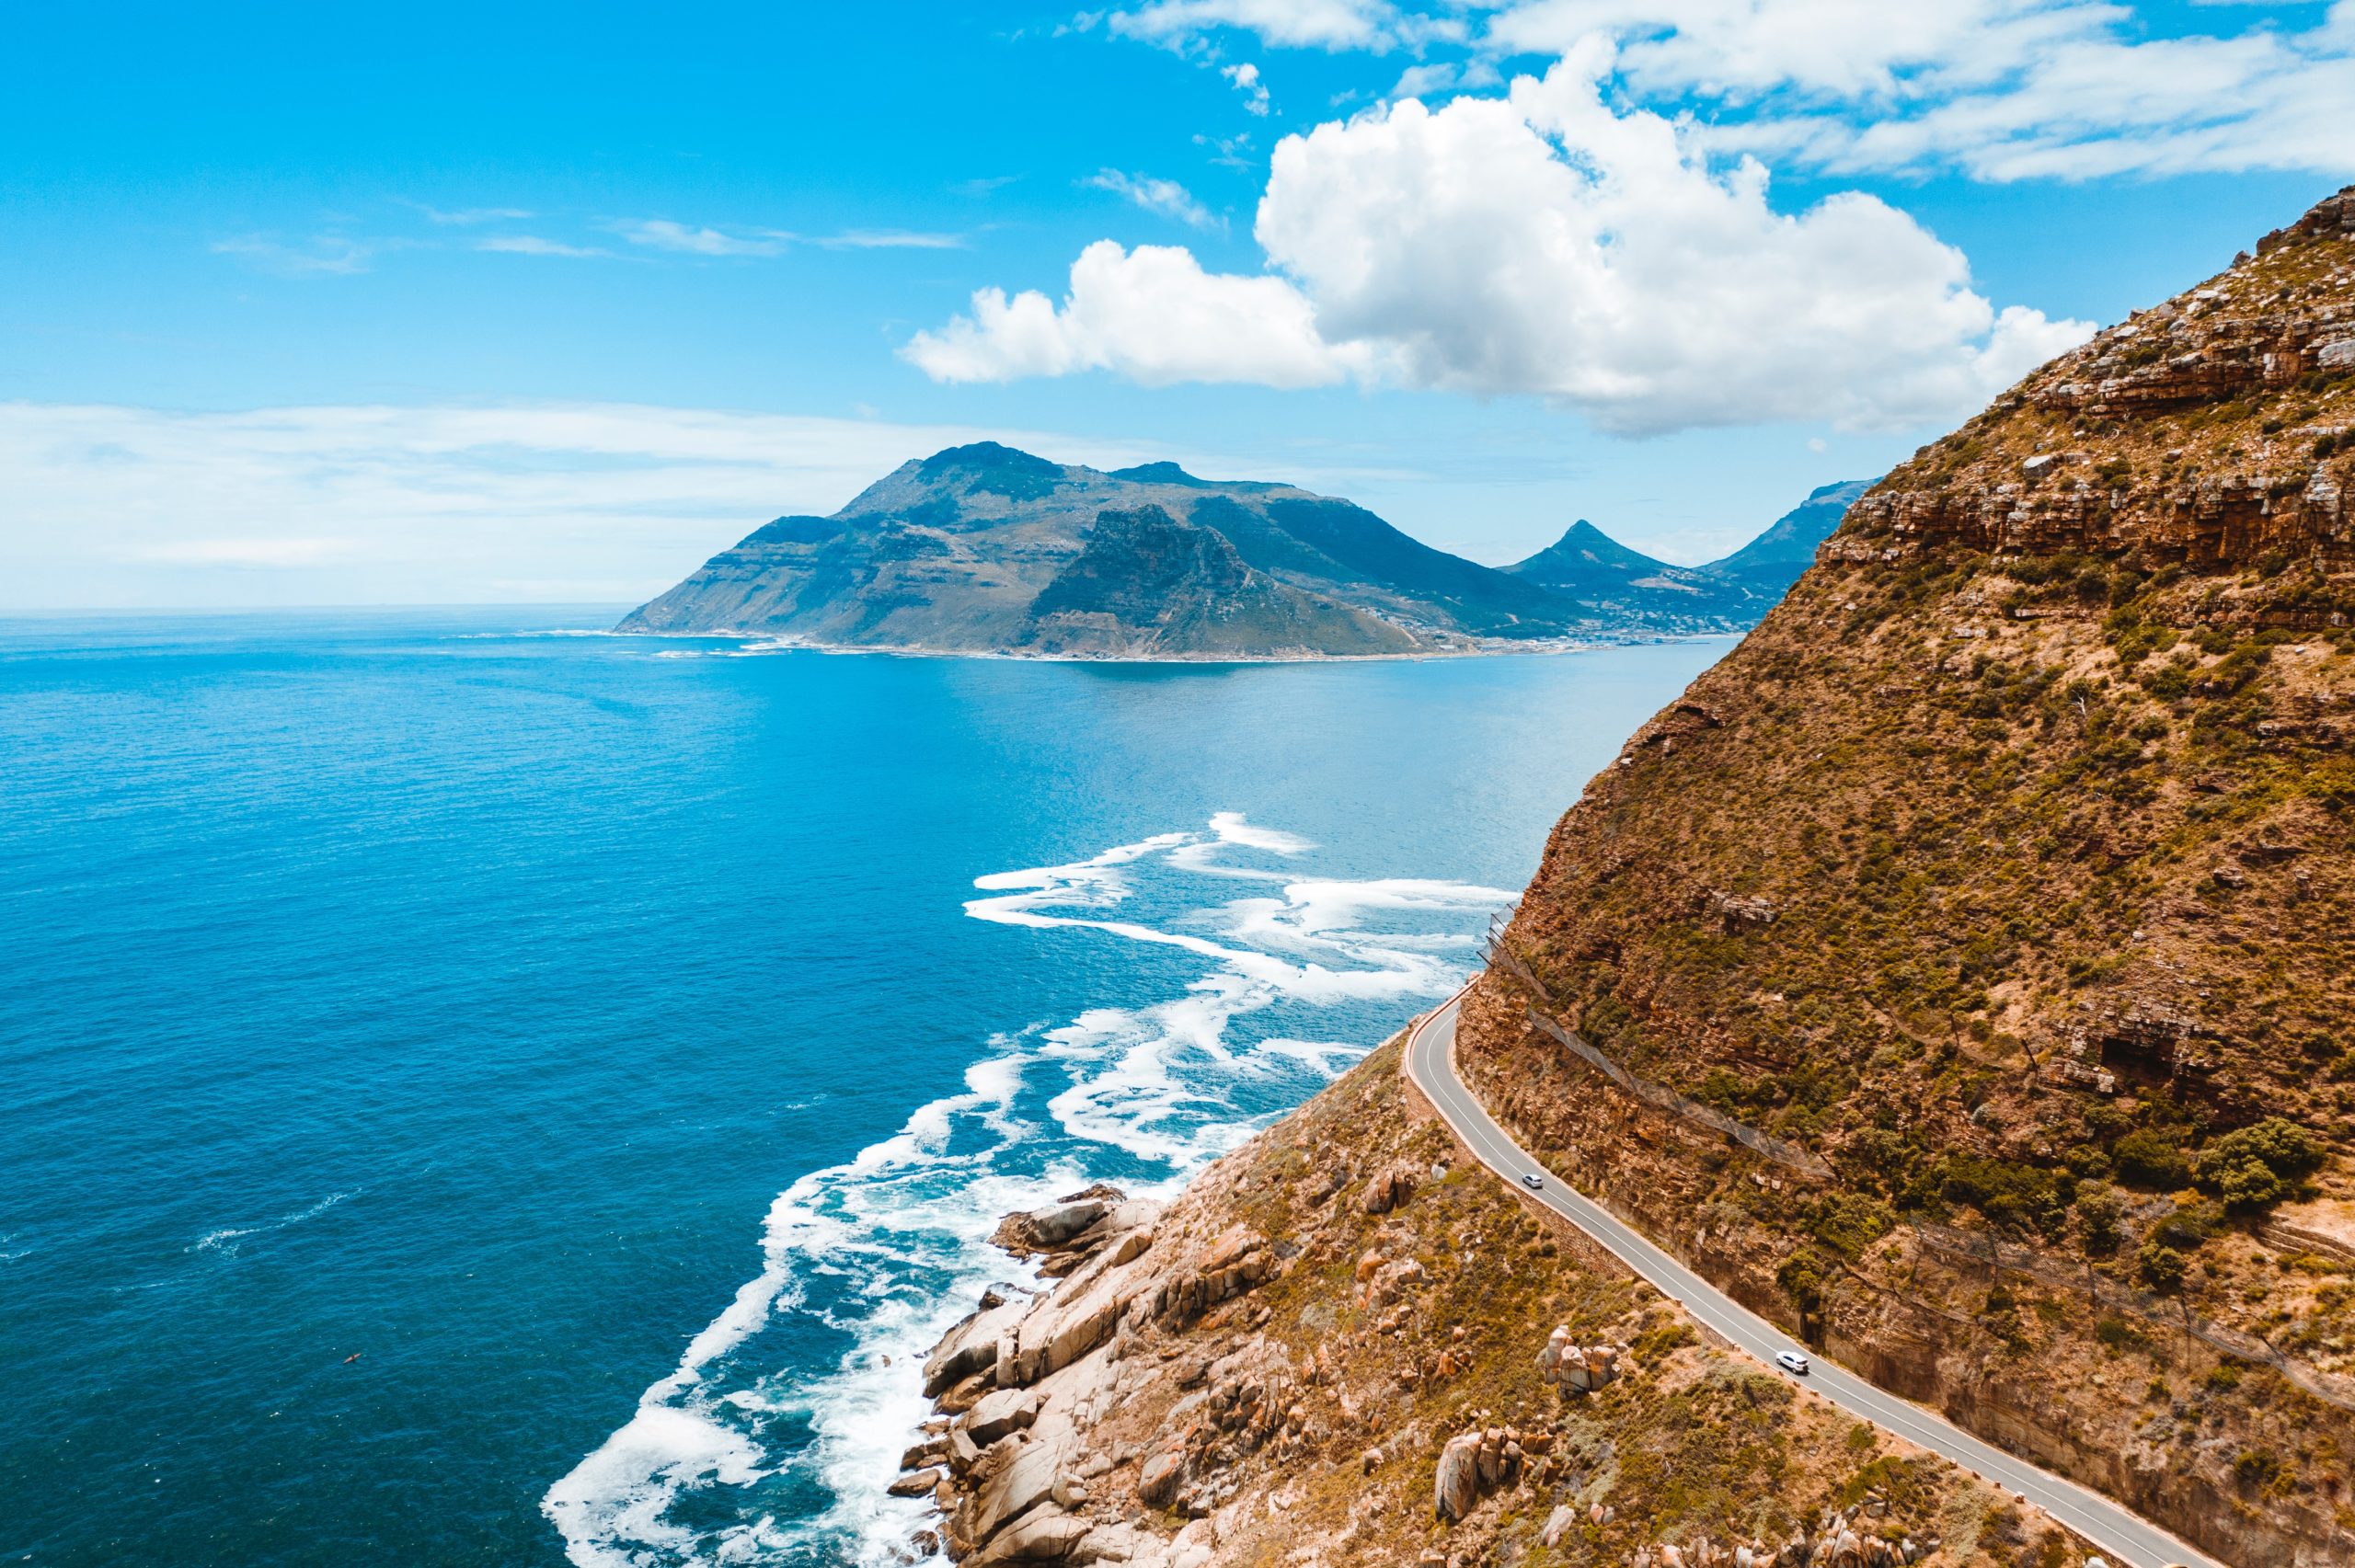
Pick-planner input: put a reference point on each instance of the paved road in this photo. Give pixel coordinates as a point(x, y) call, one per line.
point(2127, 1539)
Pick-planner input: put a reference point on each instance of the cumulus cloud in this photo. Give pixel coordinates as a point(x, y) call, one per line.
point(1151, 315)
point(1538, 243)
point(1166, 196)
point(118, 506)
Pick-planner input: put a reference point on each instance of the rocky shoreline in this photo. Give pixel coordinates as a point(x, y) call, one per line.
point(1280, 1363)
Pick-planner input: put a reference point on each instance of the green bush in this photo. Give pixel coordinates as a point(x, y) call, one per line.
point(2152, 1158)
point(2098, 1211)
point(2162, 1267)
point(1801, 1278)
point(2254, 1167)
point(2006, 1192)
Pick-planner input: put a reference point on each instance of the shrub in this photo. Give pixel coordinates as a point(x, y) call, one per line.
point(2116, 1333)
point(2007, 1193)
point(2162, 1267)
point(1801, 1278)
point(2098, 1211)
point(2151, 1158)
point(2188, 1227)
point(2253, 1167)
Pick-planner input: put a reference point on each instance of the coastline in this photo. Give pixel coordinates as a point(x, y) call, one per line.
point(768, 642)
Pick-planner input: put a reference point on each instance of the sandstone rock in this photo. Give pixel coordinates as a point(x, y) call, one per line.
point(970, 1348)
point(1391, 1188)
point(915, 1484)
point(1044, 1535)
point(967, 1393)
point(1557, 1523)
point(1456, 1487)
point(1158, 1482)
point(1021, 1483)
point(1000, 1412)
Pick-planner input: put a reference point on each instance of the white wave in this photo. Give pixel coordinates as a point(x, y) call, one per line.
point(228, 1241)
point(888, 1250)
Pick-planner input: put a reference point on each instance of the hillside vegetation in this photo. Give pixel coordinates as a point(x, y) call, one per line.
point(2003, 871)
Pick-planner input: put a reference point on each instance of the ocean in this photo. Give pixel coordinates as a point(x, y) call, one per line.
point(482, 1091)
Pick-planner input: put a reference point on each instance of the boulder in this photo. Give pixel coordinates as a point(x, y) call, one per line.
point(999, 1412)
point(1558, 1523)
point(915, 1484)
point(1455, 1486)
point(1019, 1483)
point(970, 1348)
point(1043, 1535)
point(1391, 1188)
point(1158, 1481)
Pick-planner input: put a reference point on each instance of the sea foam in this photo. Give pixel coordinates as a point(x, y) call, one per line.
point(880, 1255)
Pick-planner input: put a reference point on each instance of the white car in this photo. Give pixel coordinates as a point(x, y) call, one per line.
point(1791, 1361)
point(1534, 1182)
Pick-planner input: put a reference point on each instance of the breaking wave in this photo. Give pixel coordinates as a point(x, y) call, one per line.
point(773, 1439)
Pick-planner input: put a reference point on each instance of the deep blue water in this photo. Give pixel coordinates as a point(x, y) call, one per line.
point(592, 1035)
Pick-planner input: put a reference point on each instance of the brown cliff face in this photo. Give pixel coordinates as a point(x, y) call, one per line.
point(1348, 1345)
point(1980, 934)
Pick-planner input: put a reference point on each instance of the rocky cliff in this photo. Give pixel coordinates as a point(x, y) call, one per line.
point(1346, 1344)
point(1981, 929)
point(983, 548)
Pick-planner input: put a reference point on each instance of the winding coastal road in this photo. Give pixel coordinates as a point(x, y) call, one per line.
point(2126, 1539)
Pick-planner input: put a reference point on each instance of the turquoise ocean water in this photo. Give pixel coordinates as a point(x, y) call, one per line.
point(481, 1094)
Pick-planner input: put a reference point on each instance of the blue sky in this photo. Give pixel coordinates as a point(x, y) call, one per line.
point(539, 302)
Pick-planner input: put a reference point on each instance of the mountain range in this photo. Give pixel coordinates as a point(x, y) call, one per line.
point(983, 548)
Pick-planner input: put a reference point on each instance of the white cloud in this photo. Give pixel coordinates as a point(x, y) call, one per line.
point(1244, 78)
point(1151, 315)
point(1315, 23)
point(2000, 89)
point(471, 216)
point(1995, 89)
point(1166, 196)
point(115, 506)
point(326, 256)
point(662, 233)
point(536, 245)
point(1538, 243)
point(890, 239)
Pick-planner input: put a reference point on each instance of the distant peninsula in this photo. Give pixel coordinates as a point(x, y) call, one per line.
point(986, 549)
